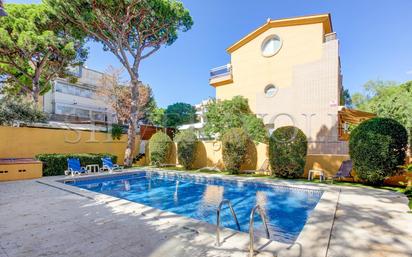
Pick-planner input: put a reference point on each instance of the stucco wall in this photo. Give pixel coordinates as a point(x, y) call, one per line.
point(209, 154)
point(19, 171)
point(252, 72)
point(306, 72)
point(27, 142)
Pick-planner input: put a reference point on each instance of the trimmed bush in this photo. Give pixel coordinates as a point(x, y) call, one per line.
point(288, 147)
point(14, 110)
point(377, 148)
point(116, 131)
point(234, 147)
point(159, 148)
point(186, 148)
point(56, 164)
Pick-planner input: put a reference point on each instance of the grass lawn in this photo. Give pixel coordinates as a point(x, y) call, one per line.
point(402, 190)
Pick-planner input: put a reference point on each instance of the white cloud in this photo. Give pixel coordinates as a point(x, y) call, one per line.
point(409, 72)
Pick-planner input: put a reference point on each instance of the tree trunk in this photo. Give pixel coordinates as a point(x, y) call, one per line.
point(131, 132)
point(36, 87)
point(36, 92)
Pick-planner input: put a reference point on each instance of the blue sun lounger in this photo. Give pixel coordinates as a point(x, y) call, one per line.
point(108, 165)
point(74, 167)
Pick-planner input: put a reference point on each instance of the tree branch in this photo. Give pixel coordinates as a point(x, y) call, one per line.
point(15, 79)
point(155, 49)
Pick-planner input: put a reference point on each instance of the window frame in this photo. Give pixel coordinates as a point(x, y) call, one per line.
point(266, 40)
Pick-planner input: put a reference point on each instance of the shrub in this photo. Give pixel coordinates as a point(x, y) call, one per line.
point(116, 131)
point(287, 152)
point(159, 148)
point(186, 148)
point(255, 128)
point(234, 147)
point(56, 164)
point(14, 110)
point(377, 148)
point(234, 113)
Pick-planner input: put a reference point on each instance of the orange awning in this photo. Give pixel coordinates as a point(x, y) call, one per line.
point(351, 116)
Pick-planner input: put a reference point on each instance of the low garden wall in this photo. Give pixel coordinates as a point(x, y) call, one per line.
point(209, 154)
point(27, 142)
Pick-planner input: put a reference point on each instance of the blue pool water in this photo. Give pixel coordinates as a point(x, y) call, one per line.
point(287, 209)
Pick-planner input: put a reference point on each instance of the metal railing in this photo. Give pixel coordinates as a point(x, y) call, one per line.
point(221, 71)
point(218, 219)
point(330, 36)
point(251, 229)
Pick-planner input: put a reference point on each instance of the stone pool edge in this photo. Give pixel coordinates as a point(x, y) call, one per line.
point(313, 240)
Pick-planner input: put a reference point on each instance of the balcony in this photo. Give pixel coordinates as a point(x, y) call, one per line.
point(330, 36)
point(221, 75)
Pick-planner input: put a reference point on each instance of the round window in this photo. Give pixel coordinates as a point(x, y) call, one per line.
point(271, 45)
point(270, 91)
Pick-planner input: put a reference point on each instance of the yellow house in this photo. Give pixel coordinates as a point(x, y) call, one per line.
point(289, 70)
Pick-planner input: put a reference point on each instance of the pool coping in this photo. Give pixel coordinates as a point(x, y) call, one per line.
point(313, 240)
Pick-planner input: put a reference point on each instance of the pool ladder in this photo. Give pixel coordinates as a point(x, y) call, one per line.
point(251, 224)
point(251, 228)
point(218, 219)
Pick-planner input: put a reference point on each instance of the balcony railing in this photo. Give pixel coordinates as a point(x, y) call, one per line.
point(221, 71)
point(330, 36)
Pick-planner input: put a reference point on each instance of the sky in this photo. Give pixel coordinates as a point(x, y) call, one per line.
point(375, 42)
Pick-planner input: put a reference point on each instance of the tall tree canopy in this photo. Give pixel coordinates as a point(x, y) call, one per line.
point(235, 113)
point(35, 48)
point(19, 109)
point(156, 116)
point(345, 98)
point(178, 114)
point(387, 99)
point(132, 30)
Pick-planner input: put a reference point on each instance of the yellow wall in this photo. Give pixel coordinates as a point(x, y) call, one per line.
point(18, 171)
point(27, 142)
point(252, 72)
point(306, 72)
point(329, 163)
point(209, 154)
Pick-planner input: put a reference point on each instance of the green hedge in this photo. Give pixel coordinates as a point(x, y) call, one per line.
point(186, 148)
point(377, 148)
point(234, 146)
point(160, 146)
point(288, 147)
point(56, 164)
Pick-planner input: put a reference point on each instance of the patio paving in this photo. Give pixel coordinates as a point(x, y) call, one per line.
point(39, 220)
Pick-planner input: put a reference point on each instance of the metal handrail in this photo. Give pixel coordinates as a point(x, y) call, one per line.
point(251, 229)
point(218, 219)
point(227, 66)
point(221, 71)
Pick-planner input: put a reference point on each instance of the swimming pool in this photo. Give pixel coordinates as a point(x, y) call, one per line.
point(287, 209)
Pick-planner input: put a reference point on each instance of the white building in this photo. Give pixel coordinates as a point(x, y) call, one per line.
point(77, 102)
point(201, 110)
